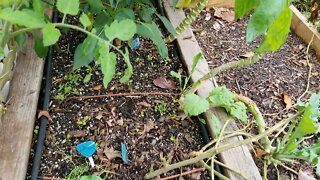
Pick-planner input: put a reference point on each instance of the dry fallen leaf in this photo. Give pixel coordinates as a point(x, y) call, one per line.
point(227, 16)
point(259, 153)
point(45, 114)
point(287, 101)
point(99, 116)
point(98, 87)
point(144, 104)
point(306, 175)
point(101, 157)
point(148, 126)
point(248, 54)
point(113, 111)
point(78, 133)
point(111, 153)
point(164, 83)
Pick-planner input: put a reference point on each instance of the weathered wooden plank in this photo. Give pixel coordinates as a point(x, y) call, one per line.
point(300, 26)
point(217, 4)
point(238, 158)
point(16, 129)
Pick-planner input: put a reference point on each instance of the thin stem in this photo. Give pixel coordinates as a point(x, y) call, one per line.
point(212, 168)
point(6, 34)
point(64, 18)
point(229, 168)
point(222, 131)
point(289, 169)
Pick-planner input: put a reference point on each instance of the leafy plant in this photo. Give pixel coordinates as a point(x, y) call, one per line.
point(70, 85)
point(161, 108)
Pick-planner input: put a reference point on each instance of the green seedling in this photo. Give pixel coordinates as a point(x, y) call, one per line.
point(83, 121)
point(162, 108)
point(78, 171)
point(36, 130)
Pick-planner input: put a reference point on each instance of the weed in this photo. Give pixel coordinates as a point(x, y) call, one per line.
point(162, 108)
point(83, 121)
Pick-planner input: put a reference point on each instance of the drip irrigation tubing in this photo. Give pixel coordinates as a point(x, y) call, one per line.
point(45, 107)
point(203, 127)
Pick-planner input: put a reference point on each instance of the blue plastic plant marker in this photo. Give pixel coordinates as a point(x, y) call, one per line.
point(124, 153)
point(134, 43)
point(87, 149)
point(150, 10)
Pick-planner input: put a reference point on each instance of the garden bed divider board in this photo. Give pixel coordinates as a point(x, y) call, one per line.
point(16, 128)
point(238, 158)
point(302, 28)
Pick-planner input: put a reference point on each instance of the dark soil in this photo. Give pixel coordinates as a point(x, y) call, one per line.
point(280, 73)
point(150, 126)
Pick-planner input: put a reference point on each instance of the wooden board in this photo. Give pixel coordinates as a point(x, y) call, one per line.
point(300, 26)
point(238, 158)
point(217, 4)
point(16, 128)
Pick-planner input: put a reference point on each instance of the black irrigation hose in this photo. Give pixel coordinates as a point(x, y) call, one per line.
point(203, 127)
point(45, 107)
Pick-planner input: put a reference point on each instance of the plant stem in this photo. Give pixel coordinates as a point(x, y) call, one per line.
point(214, 151)
point(187, 21)
point(229, 168)
point(253, 108)
point(224, 67)
point(6, 35)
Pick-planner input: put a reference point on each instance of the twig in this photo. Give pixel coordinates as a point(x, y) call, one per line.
point(123, 94)
point(222, 131)
point(212, 168)
point(309, 67)
point(230, 169)
point(184, 173)
point(289, 169)
point(221, 176)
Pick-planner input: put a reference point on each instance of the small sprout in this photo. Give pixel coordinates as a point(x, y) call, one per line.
point(36, 130)
point(83, 121)
point(172, 139)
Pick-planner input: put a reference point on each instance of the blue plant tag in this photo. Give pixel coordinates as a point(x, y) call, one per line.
point(87, 148)
point(124, 153)
point(134, 43)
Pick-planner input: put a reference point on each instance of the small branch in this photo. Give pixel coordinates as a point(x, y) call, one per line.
point(183, 174)
point(222, 131)
point(224, 67)
point(289, 169)
point(218, 174)
point(123, 94)
point(230, 169)
point(309, 69)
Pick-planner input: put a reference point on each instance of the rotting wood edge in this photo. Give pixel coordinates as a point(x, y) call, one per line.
point(16, 129)
point(238, 158)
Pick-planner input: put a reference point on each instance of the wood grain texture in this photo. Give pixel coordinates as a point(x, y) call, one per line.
point(238, 158)
point(301, 27)
point(16, 129)
point(217, 4)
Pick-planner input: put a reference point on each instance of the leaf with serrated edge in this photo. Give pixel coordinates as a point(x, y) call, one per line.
point(68, 6)
point(195, 105)
point(216, 125)
point(123, 30)
point(50, 34)
point(24, 17)
point(108, 62)
point(221, 96)
point(238, 110)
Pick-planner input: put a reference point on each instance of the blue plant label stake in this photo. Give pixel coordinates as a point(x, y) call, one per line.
point(87, 149)
point(134, 43)
point(124, 153)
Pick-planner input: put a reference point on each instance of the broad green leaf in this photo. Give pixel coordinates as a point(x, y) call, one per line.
point(95, 6)
point(84, 19)
point(85, 52)
point(101, 20)
point(129, 70)
point(221, 96)
point(263, 17)
point(68, 6)
point(152, 31)
point(310, 154)
point(108, 62)
point(87, 78)
point(123, 30)
point(25, 17)
point(242, 7)
point(90, 177)
point(307, 125)
point(238, 110)
point(195, 61)
point(194, 104)
point(277, 33)
point(167, 24)
point(123, 14)
point(216, 125)
point(145, 15)
point(39, 48)
point(38, 8)
point(20, 39)
point(50, 34)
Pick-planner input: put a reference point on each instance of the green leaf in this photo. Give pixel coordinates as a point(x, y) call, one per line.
point(221, 97)
point(128, 72)
point(216, 125)
point(238, 110)
point(25, 17)
point(167, 24)
point(84, 19)
point(263, 17)
point(152, 31)
point(145, 15)
point(1, 53)
point(95, 6)
point(108, 62)
point(124, 13)
point(38, 8)
point(183, 3)
point(84, 53)
point(90, 177)
point(242, 7)
point(87, 78)
point(39, 48)
point(277, 33)
point(194, 104)
point(123, 30)
point(20, 39)
point(68, 6)
point(176, 75)
point(195, 61)
point(50, 34)
point(307, 125)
